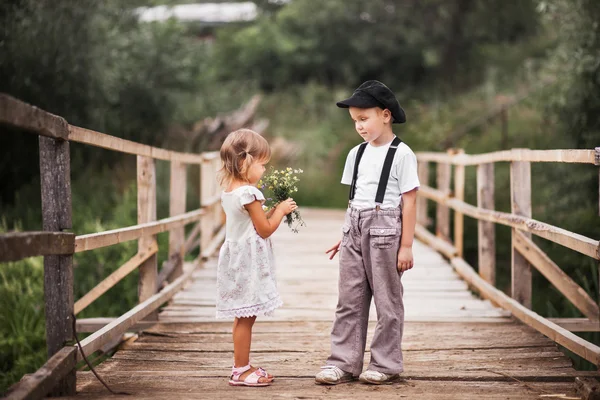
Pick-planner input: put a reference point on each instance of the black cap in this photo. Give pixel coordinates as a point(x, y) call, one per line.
point(375, 94)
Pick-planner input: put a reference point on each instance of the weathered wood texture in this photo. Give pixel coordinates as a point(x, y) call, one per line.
point(575, 241)
point(19, 114)
point(486, 231)
point(115, 236)
point(115, 277)
point(456, 346)
point(146, 209)
point(559, 279)
point(178, 191)
point(442, 219)
point(97, 139)
point(562, 156)
point(117, 327)
point(459, 194)
point(55, 176)
point(423, 171)
point(520, 191)
point(40, 383)
point(15, 246)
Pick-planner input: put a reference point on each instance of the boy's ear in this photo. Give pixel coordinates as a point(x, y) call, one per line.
point(387, 116)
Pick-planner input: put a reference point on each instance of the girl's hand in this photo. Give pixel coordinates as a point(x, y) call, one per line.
point(334, 249)
point(405, 259)
point(287, 206)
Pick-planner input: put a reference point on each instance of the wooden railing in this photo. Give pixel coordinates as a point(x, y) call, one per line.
point(524, 252)
point(57, 245)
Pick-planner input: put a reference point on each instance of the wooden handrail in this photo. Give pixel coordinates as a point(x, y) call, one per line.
point(58, 246)
point(86, 136)
point(18, 114)
point(15, 246)
point(524, 253)
point(574, 241)
point(108, 238)
point(558, 334)
point(119, 326)
point(561, 156)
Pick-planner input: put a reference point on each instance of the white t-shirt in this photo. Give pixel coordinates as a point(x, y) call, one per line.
point(403, 175)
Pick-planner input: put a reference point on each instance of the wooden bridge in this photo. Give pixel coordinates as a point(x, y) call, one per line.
point(457, 344)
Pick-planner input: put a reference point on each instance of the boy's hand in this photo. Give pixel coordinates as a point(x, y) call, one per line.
point(287, 206)
point(334, 249)
point(405, 259)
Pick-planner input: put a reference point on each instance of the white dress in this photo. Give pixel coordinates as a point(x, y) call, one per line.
point(246, 283)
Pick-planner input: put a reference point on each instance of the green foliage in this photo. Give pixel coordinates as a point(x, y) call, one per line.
point(576, 64)
point(22, 328)
point(344, 42)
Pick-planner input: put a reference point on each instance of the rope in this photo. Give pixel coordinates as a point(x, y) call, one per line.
point(89, 364)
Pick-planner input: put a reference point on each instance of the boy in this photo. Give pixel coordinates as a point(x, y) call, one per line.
point(376, 248)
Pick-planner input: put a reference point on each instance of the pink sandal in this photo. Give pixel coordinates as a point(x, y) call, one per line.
point(250, 380)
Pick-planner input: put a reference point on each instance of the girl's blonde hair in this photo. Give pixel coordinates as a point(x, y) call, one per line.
point(239, 151)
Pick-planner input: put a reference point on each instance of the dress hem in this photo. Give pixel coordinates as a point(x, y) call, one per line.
point(264, 309)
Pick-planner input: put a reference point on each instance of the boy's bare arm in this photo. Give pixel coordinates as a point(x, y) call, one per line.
point(409, 220)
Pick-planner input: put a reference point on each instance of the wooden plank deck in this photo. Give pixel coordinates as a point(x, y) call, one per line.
point(456, 346)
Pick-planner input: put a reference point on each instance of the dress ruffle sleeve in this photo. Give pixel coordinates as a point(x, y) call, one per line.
point(250, 194)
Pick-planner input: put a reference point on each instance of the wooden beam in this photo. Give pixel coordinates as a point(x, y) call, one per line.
point(520, 189)
point(177, 200)
point(562, 156)
point(486, 232)
point(577, 345)
point(561, 281)
point(191, 240)
point(108, 238)
point(588, 388)
point(55, 175)
point(115, 277)
point(442, 226)
point(18, 114)
point(423, 172)
point(574, 241)
point(87, 136)
point(146, 210)
point(215, 243)
point(15, 246)
point(577, 324)
point(438, 244)
point(90, 325)
point(459, 194)
point(40, 383)
point(132, 317)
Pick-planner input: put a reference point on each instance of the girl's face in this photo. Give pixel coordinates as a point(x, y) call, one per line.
point(370, 122)
point(256, 171)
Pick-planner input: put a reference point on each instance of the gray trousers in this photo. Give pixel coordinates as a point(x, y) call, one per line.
point(368, 268)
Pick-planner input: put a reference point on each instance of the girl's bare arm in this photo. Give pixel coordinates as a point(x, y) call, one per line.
point(265, 226)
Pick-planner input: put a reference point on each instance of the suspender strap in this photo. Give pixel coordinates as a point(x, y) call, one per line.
point(385, 172)
point(359, 154)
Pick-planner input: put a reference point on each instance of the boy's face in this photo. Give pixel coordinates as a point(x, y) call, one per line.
point(370, 123)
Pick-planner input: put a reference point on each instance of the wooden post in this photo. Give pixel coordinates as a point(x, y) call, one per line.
point(442, 228)
point(486, 230)
point(146, 195)
point(176, 207)
point(423, 171)
point(55, 174)
point(205, 198)
point(459, 193)
point(520, 189)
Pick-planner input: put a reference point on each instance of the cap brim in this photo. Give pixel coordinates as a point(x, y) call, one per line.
point(360, 102)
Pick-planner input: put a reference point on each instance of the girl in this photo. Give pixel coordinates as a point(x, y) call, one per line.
point(246, 284)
